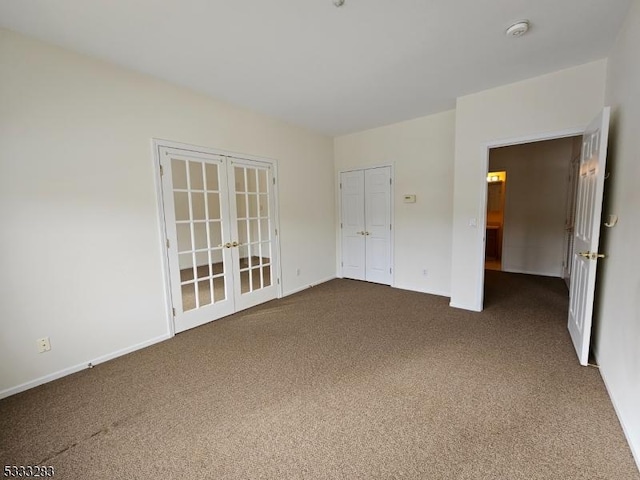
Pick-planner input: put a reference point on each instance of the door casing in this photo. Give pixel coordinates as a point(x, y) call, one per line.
point(482, 201)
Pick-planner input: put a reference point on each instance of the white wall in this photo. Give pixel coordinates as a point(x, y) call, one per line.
point(617, 318)
point(535, 212)
point(561, 101)
point(421, 152)
point(80, 248)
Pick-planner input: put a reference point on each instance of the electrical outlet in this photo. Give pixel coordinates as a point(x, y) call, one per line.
point(425, 272)
point(44, 345)
point(297, 272)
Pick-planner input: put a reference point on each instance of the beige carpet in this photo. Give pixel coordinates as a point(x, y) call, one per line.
point(347, 380)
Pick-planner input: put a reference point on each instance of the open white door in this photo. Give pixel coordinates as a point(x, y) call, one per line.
point(587, 232)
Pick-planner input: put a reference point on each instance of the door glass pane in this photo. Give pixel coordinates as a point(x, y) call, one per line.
point(204, 292)
point(184, 237)
point(185, 261)
point(254, 231)
point(211, 172)
point(252, 181)
point(196, 181)
point(219, 293)
point(197, 206)
point(188, 297)
point(262, 181)
point(264, 230)
point(179, 174)
point(215, 234)
point(266, 276)
point(200, 235)
point(245, 286)
point(241, 205)
point(264, 205)
point(253, 205)
point(265, 252)
point(213, 204)
point(244, 256)
point(239, 179)
point(181, 205)
point(217, 263)
point(242, 232)
point(202, 260)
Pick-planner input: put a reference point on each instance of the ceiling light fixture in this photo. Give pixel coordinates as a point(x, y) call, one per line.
point(517, 29)
point(338, 3)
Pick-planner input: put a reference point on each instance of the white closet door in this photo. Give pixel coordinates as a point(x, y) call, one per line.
point(194, 189)
point(378, 225)
point(353, 225)
point(254, 233)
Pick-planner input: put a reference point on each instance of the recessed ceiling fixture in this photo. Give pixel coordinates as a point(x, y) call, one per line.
point(517, 29)
point(338, 3)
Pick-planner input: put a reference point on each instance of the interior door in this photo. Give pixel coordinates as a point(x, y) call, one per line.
point(353, 224)
point(194, 189)
point(378, 225)
point(254, 233)
point(572, 191)
point(587, 233)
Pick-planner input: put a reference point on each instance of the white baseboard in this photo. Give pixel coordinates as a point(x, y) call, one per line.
point(635, 449)
point(507, 269)
point(305, 287)
point(81, 366)
point(427, 291)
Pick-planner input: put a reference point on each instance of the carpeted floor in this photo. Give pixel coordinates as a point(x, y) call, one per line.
point(347, 380)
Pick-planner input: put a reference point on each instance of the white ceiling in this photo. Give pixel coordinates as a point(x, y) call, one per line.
point(333, 70)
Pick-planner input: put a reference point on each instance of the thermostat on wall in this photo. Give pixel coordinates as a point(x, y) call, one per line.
point(409, 199)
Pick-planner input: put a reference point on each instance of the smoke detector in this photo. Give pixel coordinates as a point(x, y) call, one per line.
point(338, 3)
point(517, 29)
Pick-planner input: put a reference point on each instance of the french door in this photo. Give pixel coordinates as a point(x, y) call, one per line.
point(219, 214)
point(366, 224)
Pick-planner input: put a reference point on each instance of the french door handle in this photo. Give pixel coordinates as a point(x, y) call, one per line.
point(367, 233)
point(224, 245)
point(235, 244)
point(591, 255)
point(359, 233)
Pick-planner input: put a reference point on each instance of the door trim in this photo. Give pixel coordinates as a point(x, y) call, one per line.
point(156, 144)
point(482, 213)
point(392, 218)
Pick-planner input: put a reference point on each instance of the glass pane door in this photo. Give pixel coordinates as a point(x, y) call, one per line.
point(252, 184)
point(197, 220)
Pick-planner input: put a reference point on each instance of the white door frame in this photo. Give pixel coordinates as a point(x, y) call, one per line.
point(156, 143)
point(393, 223)
point(482, 214)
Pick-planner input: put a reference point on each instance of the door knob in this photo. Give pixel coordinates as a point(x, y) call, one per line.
point(367, 233)
point(235, 244)
point(359, 233)
point(591, 255)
